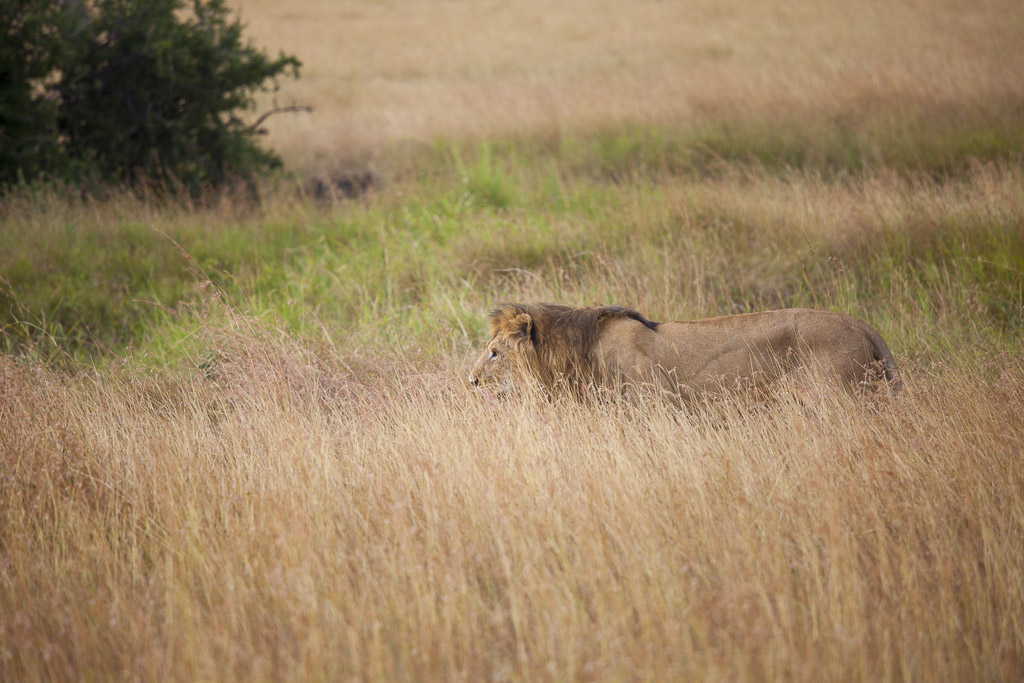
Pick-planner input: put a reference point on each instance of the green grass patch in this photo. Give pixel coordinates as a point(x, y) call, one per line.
point(935, 261)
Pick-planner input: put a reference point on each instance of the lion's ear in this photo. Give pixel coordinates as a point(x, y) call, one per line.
point(521, 328)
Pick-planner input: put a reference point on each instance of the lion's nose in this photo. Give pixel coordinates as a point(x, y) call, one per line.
point(474, 381)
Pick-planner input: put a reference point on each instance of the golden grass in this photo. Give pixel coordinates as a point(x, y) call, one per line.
point(380, 74)
point(288, 519)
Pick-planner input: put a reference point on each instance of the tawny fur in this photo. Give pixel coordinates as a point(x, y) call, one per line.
point(573, 348)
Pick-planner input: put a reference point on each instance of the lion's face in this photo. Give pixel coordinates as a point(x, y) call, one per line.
point(506, 355)
point(491, 365)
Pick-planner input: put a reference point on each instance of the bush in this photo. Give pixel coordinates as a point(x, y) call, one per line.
point(132, 91)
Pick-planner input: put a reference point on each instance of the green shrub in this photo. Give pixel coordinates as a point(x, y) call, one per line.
point(131, 91)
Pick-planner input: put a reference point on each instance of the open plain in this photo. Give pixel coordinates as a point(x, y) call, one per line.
point(236, 440)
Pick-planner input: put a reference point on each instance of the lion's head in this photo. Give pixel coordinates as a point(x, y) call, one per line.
point(510, 353)
point(549, 343)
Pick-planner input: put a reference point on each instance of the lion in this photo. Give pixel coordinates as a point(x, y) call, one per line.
point(610, 346)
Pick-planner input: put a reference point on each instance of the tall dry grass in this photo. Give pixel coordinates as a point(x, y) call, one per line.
point(283, 516)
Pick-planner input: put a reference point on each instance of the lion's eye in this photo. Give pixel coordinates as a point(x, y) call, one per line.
point(494, 354)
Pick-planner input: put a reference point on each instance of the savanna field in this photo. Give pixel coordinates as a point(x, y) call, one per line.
point(236, 437)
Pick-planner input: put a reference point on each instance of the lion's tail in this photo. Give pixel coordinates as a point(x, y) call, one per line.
point(883, 355)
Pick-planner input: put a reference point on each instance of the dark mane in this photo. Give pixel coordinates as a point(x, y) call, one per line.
point(621, 311)
point(564, 337)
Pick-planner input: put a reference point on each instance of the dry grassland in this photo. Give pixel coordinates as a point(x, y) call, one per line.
point(285, 477)
point(291, 521)
point(383, 73)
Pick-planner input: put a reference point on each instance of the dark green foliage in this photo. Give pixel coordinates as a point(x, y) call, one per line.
point(132, 91)
point(30, 53)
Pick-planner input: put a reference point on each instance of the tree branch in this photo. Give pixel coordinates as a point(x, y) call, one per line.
point(290, 109)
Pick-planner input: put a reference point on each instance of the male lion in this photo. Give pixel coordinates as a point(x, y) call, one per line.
point(575, 348)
